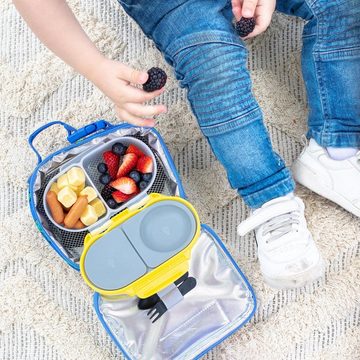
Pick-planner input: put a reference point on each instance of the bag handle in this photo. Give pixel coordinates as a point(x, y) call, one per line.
point(73, 133)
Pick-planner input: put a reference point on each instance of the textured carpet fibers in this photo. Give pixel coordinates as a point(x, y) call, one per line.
point(46, 309)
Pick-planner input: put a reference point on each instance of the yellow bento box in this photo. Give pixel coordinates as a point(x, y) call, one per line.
point(144, 248)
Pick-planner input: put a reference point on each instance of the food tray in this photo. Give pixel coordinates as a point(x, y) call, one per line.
point(72, 242)
point(88, 162)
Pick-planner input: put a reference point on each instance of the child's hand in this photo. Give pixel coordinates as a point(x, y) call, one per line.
point(262, 10)
point(115, 80)
point(46, 17)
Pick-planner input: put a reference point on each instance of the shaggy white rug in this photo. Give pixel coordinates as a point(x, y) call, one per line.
point(46, 309)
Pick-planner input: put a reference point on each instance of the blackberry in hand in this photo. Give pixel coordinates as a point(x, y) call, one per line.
point(245, 26)
point(157, 79)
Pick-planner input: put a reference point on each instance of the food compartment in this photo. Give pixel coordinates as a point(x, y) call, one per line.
point(70, 243)
point(122, 170)
point(161, 231)
point(71, 201)
point(112, 262)
point(164, 228)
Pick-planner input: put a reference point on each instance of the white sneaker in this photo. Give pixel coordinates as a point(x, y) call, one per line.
point(287, 253)
point(338, 181)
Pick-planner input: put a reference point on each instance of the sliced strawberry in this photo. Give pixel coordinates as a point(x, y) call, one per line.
point(132, 149)
point(119, 197)
point(125, 184)
point(145, 165)
point(112, 162)
point(128, 163)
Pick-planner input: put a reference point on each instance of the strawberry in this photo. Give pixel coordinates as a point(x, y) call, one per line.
point(128, 163)
point(125, 184)
point(112, 162)
point(132, 149)
point(119, 197)
point(145, 165)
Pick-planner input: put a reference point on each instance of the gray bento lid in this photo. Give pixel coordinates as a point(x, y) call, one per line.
point(139, 245)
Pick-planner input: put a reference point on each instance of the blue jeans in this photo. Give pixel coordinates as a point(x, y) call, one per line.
point(210, 61)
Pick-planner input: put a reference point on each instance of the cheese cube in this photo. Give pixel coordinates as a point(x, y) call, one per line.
point(89, 216)
point(67, 197)
point(76, 176)
point(90, 193)
point(62, 181)
point(54, 187)
point(78, 189)
point(99, 207)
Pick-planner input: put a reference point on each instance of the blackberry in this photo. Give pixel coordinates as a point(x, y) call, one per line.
point(157, 79)
point(106, 192)
point(245, 26)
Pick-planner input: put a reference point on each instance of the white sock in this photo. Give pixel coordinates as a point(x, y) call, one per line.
point(341, 153)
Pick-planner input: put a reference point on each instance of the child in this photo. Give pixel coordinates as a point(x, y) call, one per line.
point(198, 40)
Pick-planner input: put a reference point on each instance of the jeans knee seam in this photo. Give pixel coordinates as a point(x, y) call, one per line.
point(210, 130)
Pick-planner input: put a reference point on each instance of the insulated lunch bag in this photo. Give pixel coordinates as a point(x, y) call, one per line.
point(165, 286)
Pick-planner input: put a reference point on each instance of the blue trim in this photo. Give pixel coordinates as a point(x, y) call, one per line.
point(97, 297)
point(32, 178)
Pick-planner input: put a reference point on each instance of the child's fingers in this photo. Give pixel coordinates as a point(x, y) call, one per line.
point(131, 75)
point(262, 23)
point(129, 118)
point(136, 95)
point(236, 8)
point(144, 111)
point(257, 30)
point(248, 8)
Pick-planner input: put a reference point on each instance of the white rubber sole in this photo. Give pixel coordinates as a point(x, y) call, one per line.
point(312, 274)
point(308, 178)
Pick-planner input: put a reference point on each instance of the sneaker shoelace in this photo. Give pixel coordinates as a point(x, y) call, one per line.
point(277, 219)
point(281, 226)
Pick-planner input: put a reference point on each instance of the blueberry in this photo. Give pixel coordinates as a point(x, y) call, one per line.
point(143, 185)
point(119, 149)
point(111, 203)
point(135, 175)
point(102, 168)
point(105, 179)
point(147, 176)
